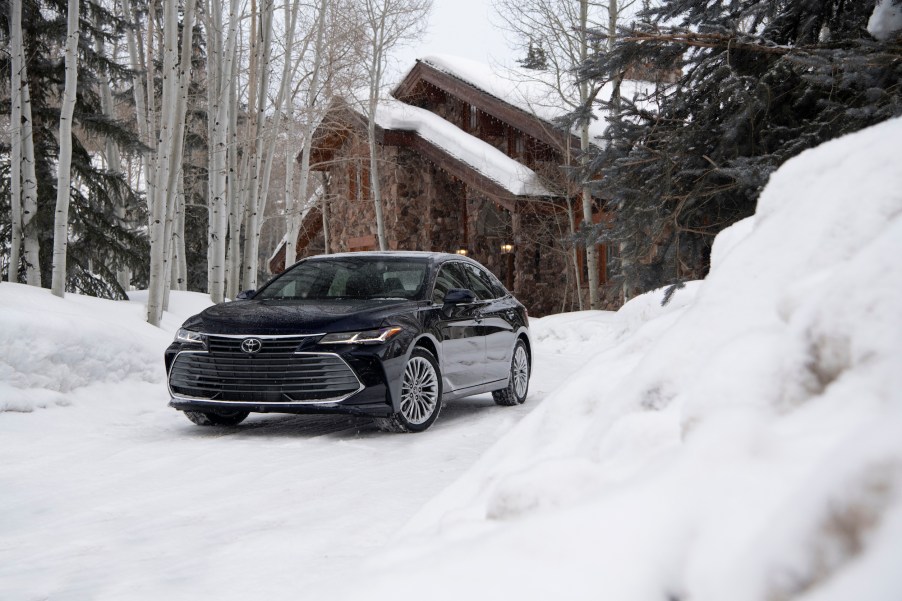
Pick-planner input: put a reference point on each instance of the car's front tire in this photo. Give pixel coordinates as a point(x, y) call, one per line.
point(518, 385)
point(220, 418)
point(421, 395)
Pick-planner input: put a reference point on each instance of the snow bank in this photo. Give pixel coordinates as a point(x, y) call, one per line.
point(50, 346)
point(743, 442)
point(886, 20)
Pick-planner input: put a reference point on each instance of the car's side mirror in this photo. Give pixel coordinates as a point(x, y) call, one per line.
point(245, 295)
point(459, 296)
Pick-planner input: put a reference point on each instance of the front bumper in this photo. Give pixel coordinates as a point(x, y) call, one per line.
point(375, 409)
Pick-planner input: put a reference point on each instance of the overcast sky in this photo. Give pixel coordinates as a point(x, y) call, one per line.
point(466, 28)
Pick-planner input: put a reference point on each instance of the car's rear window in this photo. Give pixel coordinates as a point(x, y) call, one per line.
point(350, 277)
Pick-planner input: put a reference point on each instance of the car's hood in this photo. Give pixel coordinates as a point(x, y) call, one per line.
point(275, 317)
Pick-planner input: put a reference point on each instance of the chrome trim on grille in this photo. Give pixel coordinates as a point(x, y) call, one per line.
point(326, 401)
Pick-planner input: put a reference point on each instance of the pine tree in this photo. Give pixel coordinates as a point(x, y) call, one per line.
point(535, 58)
point(759, 83)
point(99, 243)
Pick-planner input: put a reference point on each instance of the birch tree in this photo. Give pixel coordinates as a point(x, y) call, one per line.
point(64, 175)
point(562, 29)
point(308, 128)
point(17, 60)
point(24, 192)
point(176, 72)
point(220, 83)
point(385, 24)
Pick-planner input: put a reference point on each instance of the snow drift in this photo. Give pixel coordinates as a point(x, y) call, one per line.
point(52, 346)
point(743, 442)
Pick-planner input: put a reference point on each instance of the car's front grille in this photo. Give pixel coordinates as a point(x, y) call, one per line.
point(277, 373)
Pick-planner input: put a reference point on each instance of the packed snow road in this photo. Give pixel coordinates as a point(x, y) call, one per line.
point(118, 496)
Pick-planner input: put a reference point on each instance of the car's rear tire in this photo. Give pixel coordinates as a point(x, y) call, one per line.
point(518, 386)
point(421, 395)
point(219, 418)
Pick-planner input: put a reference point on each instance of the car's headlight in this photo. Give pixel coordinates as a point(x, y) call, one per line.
point(366, 337)
point(183, 335)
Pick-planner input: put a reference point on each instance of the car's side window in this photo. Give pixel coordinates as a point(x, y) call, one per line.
point(449, 276)
point(497, 286)
point(480, 282)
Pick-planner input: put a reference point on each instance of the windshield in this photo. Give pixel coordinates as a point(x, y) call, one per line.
point(350, 277)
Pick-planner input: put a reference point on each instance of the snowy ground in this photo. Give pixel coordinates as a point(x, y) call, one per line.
point(743, 442)
point(105, 493)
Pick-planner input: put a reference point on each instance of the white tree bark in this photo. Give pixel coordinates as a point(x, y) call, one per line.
point(179, 271)
point(176, 76)
point(24, 188)
point(257, 201)
point(17, 60)
point(219, 86)
point(31, 246)
point(235, 210)
point(140, 93)
point(291, 212)
point(64, 174)
point(248, 170)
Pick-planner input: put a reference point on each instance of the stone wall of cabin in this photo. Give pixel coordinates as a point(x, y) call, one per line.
point(427, 209)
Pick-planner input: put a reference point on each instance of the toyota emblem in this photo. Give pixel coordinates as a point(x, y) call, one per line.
point(251, 345)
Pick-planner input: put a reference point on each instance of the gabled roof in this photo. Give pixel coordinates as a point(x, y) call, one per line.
point(524, 98)
point(461, 82)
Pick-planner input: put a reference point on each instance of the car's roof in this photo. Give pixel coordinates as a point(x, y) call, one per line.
point(434, 257)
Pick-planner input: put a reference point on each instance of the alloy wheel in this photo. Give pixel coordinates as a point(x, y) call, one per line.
point(520, 372)
point(419, 391)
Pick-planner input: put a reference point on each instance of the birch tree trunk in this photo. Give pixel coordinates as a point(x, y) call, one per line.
point(64, 174)
point(31, 246)
point(591, 251)
point(255, 203)
point(375, 76)
point(179, 270)
point(140, 94)
point(387, 23)
point(247, 169)
point(212, 20)
point(234, 216)
point(169, 153)
point(17, 59)
point(219, 88)
point(290, 210)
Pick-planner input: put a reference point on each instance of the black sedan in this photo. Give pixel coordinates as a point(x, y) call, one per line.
point(389, 335)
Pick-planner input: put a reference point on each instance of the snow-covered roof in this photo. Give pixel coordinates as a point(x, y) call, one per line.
point(532, 91)
point(513, 176)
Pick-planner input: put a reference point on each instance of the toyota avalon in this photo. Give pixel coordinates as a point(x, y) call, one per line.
point(388, 335)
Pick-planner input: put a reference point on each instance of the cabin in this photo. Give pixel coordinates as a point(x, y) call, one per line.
point(469, 162)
